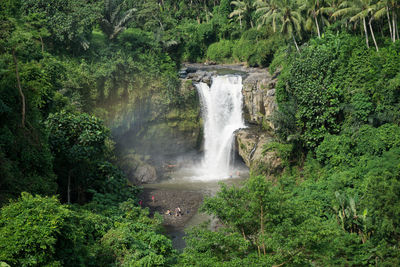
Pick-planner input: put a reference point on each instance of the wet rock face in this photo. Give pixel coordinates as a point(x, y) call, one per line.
point(259, 97)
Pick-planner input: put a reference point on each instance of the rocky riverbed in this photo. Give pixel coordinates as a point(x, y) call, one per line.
point(170, 199)
point(182, 191)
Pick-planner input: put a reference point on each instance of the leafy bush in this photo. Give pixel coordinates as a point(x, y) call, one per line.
point(242, 50)
point(220, 51)
point(41, 231)
point(33, 230)
point(198, 37)
point(256, 50)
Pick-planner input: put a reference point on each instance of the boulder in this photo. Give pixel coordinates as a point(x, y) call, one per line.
point(250, 143)
point(136, 170)
point(145, 174)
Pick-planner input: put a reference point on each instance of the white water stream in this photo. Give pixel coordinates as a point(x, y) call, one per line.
point(222, 115)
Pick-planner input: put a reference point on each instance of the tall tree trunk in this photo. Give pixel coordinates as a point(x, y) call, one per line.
point(69, 188)
point(393, 26)
point(397, 28)
point(295, 43)
point(206, 11)
point(244, 236)
point(41, 42)
point(372, 33)
point(21, 93)
point(316, 23)
point(322, 22)
point(366, 32)
point(390, 25)
point(262, 226)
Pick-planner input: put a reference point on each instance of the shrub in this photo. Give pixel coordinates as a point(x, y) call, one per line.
point(221, 51)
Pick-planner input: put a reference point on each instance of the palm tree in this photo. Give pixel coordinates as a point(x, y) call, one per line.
point(381, 10)
point(330, 7)
point(311, 7)
point(358, 10)
point(268, 12)
point(243, 10)
point(393, 6)
point(115, 20)
point(283, 14)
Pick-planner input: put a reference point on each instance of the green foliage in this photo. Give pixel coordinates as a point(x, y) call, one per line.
point(264, 224)
point(206, 248)
point(333, 84)
point(199, 37)
point(34, 229)
point(24, 152)
point(40, 231)
point(255, 48)
point(220, 52)
point(317, 99)
point(284, 151)
point(135, 242)
point(68, 22)
point(344, 149)
point(79, 143)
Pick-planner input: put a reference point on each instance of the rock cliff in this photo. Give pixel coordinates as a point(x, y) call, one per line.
point(259, 97)
point(259, 104)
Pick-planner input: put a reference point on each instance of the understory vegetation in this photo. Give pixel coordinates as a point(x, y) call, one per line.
point(74, 74)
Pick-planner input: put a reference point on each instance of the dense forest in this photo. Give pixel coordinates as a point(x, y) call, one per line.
point(72, 70)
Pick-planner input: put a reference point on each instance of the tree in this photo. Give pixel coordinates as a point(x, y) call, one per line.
point(358, 10)
point(116, 17)
point(283, 14)
point(385, 7)
point(68, 22)
point(34, 229)
point(243, 10)
point(24, 87)
point(135, 240)
point(79, 142)
point(312, 7)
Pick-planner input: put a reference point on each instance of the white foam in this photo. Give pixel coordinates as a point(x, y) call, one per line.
point(221, 106)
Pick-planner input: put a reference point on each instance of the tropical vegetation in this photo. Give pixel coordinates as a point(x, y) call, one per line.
point(76, 75)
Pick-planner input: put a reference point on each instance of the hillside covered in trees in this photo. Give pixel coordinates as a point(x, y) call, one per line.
point(74, 74)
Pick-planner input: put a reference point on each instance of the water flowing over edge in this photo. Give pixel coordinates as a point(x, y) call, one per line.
point(221, 108)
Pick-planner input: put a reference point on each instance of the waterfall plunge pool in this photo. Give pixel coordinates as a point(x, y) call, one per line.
point(221, 109)
point(181, 190)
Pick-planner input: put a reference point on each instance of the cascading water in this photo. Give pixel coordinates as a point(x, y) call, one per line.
point(222, 114)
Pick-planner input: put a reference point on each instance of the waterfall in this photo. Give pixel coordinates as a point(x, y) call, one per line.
point(221, 107)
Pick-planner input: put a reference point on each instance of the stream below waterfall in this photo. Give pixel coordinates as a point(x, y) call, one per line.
point(181, 191)
point(194, 179)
